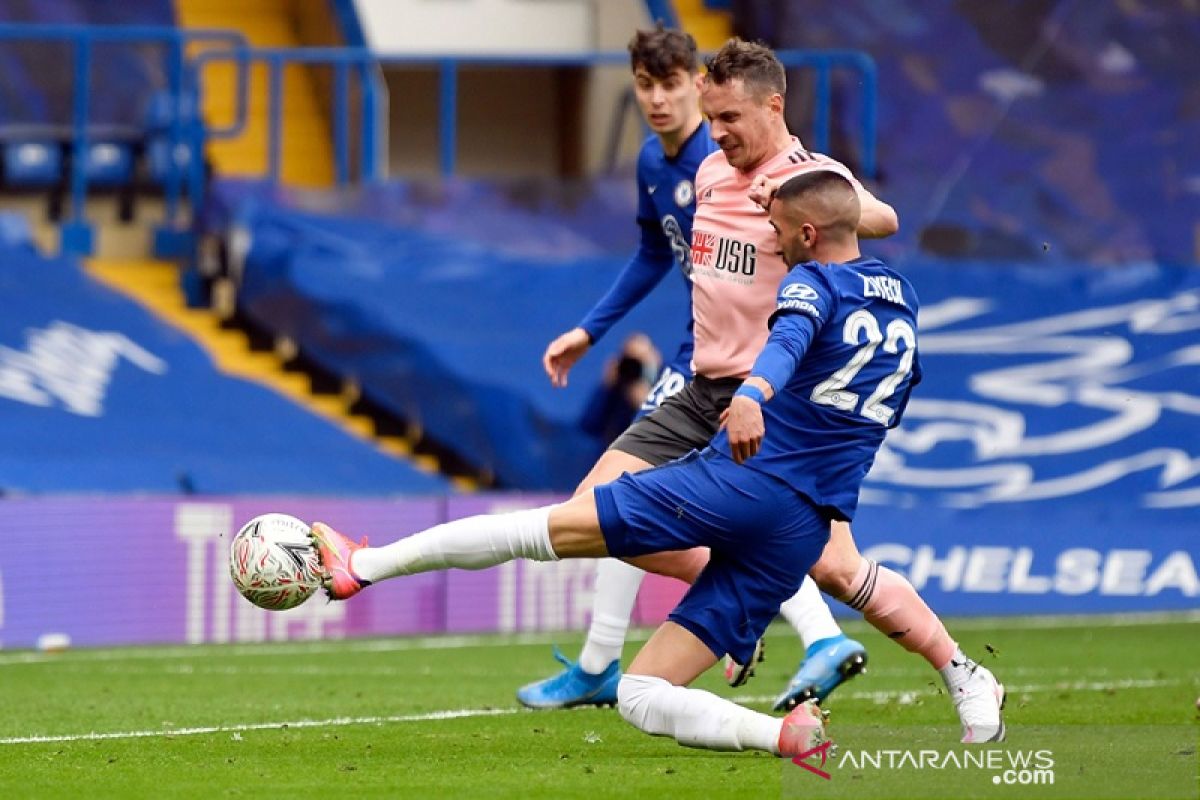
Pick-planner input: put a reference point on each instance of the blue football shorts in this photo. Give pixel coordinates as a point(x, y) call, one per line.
point(764, 538)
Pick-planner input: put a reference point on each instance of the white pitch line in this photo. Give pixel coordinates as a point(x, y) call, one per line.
point(908, 695)
point(904, 696)
point(262, 726)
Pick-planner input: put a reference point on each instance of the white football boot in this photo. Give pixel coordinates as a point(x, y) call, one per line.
point(979, 701)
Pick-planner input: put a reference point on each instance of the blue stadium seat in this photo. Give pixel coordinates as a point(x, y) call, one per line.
point(109, 164)
point(32, 163)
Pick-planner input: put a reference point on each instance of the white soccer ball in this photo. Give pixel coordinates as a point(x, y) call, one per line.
point(273, 563)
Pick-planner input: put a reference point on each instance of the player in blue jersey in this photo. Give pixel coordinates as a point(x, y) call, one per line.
point(799, 436)
point(666, 85)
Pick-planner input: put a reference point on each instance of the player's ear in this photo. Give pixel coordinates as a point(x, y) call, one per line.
point(775, 103)
point(808, 235)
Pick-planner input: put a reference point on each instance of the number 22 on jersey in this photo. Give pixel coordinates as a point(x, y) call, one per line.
point(835, 390)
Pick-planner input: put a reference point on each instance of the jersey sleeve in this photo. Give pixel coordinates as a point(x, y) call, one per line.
point(804, 290)
point(646, 212)
point(704, 176)
point(650, 263)
point(804, 302)
point(653, 260)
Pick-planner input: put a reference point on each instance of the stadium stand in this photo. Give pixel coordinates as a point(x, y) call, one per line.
point(1012, 193)
point(1059, 396)
point(1048, 131)
point(96, 395)
point(436, 302)
point(398, 311)
point(36, 95)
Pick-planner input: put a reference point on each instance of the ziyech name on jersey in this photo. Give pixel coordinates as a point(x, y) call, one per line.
point(884, 287)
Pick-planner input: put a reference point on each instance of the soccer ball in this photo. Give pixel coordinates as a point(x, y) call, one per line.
point(273, 563)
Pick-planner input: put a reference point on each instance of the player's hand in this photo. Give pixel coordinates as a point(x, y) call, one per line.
point(743, 421)
point(562, 354)
point(762, 191)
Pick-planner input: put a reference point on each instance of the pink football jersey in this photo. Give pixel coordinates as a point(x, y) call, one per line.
point(736, 270)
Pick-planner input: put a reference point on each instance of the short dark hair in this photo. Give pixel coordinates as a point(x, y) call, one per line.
point(662, 51)
point(752, 62)
point(818, 180)
point(827, 186)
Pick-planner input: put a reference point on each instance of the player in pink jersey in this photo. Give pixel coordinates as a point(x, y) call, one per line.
point(736, 271)
point(737, 267)
point(667, 83)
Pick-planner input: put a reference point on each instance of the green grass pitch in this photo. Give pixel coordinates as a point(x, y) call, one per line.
point(369, 718)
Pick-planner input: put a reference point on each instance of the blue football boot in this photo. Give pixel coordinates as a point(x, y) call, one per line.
point(828, 663)
point(572, 687)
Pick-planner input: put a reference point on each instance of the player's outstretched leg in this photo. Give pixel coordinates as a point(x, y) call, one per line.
point(892, 606)
point(830, 657)
point(592, 680)
point(470, 543)
point(654, 699)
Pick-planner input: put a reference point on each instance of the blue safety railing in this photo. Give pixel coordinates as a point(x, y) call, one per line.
point(364, 130)
point(180, 86)
point(372, 112)
point(346, 63)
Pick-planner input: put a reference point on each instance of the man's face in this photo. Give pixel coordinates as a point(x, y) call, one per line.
point(796, 239)
point(666, 103)
point(742, 126)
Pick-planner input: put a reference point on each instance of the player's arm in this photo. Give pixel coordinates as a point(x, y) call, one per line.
point(653, 259)
point(877, 219)
point(774, 367)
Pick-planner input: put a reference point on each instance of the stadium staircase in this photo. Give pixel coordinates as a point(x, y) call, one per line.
point(306, 147)
point(155, 285)
point(103, 394)
point(306, 162)
point(124, 263)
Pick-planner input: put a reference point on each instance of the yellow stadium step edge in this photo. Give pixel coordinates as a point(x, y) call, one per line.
point(710, 28)
point(155, 286)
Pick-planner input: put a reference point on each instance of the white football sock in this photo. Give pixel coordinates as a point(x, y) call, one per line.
point(616, 591)
point(693, 717)
point(809, 614)
point(471, 543)
point(958, 671)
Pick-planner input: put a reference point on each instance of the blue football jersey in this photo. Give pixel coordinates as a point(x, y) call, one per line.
point(667, 203)
point(825, 425)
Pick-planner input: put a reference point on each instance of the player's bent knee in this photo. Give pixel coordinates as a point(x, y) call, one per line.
point(832, 577)
point(636, 701)
point(838, 565)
